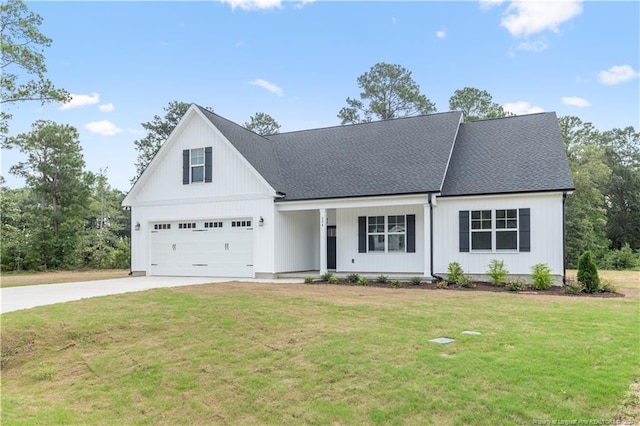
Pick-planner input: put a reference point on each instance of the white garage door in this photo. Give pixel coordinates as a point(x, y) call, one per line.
point(202, 248)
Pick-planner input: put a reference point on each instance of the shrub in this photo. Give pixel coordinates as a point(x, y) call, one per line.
point(588, 273)
point(353, 278)
point(416, 280)
point(363, 281)
point(541, 274)
point(442, 284)
point(454, 272)
point(333, 280)
point(497, 272)
point(517, 285)
point(465, 281)
point(308, 280)
point(607, 287)
point(621, 259)
point(326, 276)
point(382, 279)
point(395, 283)
point(573, 287)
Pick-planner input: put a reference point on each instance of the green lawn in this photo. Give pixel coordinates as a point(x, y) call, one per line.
point(298, 354)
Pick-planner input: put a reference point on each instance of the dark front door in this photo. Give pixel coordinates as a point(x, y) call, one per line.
point(331, 247)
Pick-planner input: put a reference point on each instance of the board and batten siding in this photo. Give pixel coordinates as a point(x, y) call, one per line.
point(546, 233)
point(263, 259)
point(297, 237)
point(230, 175)
point(347, 242)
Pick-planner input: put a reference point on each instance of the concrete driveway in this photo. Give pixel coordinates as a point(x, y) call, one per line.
point(25, 297)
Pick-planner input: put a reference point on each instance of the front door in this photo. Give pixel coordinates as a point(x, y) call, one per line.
point(331, 247)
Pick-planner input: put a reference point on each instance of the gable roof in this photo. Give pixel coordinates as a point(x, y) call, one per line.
point(523, 153)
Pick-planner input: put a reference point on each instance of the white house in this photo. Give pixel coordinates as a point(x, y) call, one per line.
point(403, 196)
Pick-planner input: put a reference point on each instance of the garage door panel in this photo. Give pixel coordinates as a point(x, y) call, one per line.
point(217, 252)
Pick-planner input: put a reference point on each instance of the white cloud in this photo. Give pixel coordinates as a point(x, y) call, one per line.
point(488, 4)
point(441, 34)
point(575, 101)
point(267, 86)
point(79, 101)
point(617, 74)
point(254, 4)
point(534, 46)
point(303, 3)
point(393, 20)
point(106, 107)
point(104, 128)
point(524, 18)
point(521, 107)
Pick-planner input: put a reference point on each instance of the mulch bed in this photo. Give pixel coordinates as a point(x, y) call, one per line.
point(477, 286)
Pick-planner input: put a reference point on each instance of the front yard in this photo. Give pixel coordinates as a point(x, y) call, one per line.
point(242, 353)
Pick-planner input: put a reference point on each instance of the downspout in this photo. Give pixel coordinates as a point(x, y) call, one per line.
point(437, 277)
point(564, 238)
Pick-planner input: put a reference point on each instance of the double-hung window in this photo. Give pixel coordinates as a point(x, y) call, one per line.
point(481, 230)
point(495, 230)
point(197, 165)
point(386, 234)
point(376, 233)
point(507, 229)
point(396, 231)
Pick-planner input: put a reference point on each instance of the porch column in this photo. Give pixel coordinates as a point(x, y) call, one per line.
point(427, 240)
point(323, 241)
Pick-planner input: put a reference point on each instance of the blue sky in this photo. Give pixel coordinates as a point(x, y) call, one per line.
point(299, 60)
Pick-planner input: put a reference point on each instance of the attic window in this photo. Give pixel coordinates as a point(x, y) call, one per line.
point(197, 165)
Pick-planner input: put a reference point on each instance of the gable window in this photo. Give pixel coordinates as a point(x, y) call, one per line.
point(481, 230)
point(197, 165)
point(495, 230)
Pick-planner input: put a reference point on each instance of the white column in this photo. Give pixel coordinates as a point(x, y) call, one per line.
point(323, 241)
point(427, 240)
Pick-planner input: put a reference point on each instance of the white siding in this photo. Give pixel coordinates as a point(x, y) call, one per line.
point(546, 233)
point(263, 257)
point(231, 176)
point(297, 241)
point(347, 243)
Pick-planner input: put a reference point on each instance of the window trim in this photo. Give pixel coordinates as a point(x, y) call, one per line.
point(385, 233)
point(493, 230)
point(193, 165)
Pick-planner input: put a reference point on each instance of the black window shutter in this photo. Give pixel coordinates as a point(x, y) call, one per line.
point(464, 230)
point(362, 234)
point(525, 229)
point(411, 233)
point(185, 167)
point(208, 167)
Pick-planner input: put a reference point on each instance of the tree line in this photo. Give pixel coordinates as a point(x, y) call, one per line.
point(67, 217)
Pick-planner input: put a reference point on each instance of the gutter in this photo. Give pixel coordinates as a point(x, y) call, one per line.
point(564, 238)
point(437, 277)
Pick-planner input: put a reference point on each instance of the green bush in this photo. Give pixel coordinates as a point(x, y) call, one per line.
point(621, 259)
point(333, 280)
point(541, 274)
point(517, 285)
point(308, 280)
point(382, 279)
point(442, 284)
point(588, 273)
point(395, 283)
point(353, 278)
point(326, 276)
point(465, 281)
point(497, 272)
point(573, 287)
point(607, 287)
point(416, 280)
point(363, 281)
point(454, 272)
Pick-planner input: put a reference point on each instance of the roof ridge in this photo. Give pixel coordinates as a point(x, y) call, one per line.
point(509, 116)
point(230, 121)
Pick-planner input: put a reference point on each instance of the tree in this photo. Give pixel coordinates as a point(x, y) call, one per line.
point(54, 172)
point(476, 104)
point(388, 91)
point(158, 130)
point(262, 124)
point(23, 63)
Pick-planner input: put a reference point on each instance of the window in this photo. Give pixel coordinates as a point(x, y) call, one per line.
point(481, 230)
point(197, 165)
point(162, 226)
point(186, 226)
point(241, 223)
point(391, 238)
point(213, 224)
point(507, 229)
point(495, 230)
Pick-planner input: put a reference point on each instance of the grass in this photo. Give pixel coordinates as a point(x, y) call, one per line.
point(626, 279)
point(15, 279)
point(244, 353)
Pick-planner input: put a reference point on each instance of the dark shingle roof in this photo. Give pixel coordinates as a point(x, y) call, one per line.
point(402, 156)
point(515, 154)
